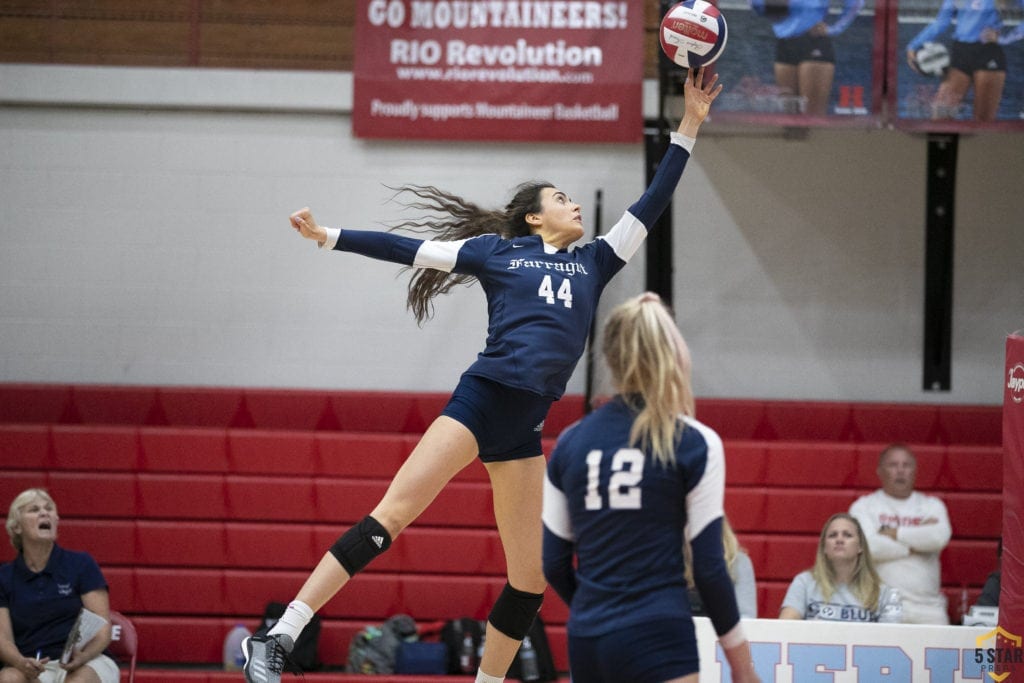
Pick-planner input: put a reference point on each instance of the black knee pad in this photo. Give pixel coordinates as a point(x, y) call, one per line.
point(514, 611)
point(360, 544)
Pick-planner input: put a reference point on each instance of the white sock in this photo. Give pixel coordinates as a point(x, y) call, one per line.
point(481, 677)
point(294, 619)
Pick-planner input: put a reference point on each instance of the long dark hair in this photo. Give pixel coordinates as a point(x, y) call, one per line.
point(449, 217)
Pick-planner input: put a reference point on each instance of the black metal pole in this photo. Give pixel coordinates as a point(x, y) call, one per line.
point(938, 265)
point(656, 135)
point(659, 241)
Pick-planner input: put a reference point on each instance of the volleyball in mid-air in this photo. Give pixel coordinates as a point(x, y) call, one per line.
point(932, 59)
point(693, 33)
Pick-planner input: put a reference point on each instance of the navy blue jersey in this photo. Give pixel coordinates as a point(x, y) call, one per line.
point(540, 300)
point(43, 606)
point(623, 516)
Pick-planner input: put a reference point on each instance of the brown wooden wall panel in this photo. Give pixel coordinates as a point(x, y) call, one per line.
point(94, 42)
point(102, 38)
point(275, 46)
point(148, 10)
point(319, 12)
point(249, 34)
point(24, 40)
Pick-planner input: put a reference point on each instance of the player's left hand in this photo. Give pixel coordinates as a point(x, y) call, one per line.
point(698, 96)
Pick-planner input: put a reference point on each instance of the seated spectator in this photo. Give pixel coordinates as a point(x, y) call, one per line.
point(41, 594)
point(906, 531)
point(843, 584)
point(741, 571)
point(990, 591)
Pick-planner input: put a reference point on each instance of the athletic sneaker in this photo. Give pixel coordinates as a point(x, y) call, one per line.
point(265, 657)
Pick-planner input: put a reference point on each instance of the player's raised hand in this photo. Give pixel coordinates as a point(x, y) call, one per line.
point(697, 98)
point(304, 223)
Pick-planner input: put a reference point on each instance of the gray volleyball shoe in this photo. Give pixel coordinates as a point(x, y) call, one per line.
point(265, 657)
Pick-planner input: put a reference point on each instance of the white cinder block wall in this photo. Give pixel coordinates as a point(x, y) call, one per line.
point(145, 241)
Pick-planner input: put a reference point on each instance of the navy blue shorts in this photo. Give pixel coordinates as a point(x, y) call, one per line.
point(505, 421)
point(971, 57)
point(805, 48)
point(652, 652)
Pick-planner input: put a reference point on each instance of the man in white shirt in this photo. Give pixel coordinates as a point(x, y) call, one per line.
point(906, 531)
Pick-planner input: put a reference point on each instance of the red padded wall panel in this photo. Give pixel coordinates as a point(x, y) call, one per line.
point(179, 450)
point(84, 494)
point(95, 448)
point(110, 542)
point(201, 406)
point(25, 447)
point(182, 496)
point(888, 422)
point(810, 463)
point(257, 451)
point(180, 543)
point(272, 546)
point(272, 499)
point(116, 404)
point(37, 403)
point(810, 420)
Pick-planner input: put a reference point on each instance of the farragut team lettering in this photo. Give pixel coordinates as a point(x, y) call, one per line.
point(569, 269)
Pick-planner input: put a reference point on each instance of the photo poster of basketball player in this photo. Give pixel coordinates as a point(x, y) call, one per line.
point(959, 64)
point(802, 62)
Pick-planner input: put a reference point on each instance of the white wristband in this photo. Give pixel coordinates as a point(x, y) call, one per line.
point(332, 238)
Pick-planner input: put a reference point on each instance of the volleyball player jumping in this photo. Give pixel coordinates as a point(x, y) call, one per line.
point(541, 299)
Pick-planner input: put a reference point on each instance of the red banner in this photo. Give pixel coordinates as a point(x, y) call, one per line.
point(1011, 598)
point(530, 70)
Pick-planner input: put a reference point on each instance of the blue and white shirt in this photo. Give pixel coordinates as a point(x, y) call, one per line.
point(972, 17)
point(623, 516)
point(540, 300)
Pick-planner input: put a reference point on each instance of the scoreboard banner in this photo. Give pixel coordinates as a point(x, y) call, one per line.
point(502, 70)
point(797, 651)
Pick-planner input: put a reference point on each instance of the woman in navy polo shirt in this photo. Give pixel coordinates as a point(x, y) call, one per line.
point(41, 594)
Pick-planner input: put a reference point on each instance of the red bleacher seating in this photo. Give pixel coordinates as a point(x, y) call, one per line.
point(202, 504)
point(813, 420)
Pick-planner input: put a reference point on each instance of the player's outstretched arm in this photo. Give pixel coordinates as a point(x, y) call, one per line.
point(698, 98)
point(304, 223)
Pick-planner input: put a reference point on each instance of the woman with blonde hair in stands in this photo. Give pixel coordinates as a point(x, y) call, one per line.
point(627, 487)
point(843, 584)
point(41, 593)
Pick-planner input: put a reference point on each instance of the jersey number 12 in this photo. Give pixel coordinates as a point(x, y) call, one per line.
point(624, 483)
